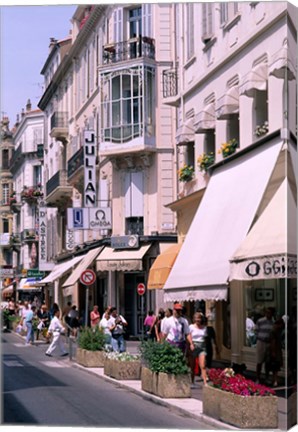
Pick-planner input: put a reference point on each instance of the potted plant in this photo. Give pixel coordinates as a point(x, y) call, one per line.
point(235, 400)
point(262, 129)
point(164, 370)
point(228, 148)
point(185, 174)
point(205, 160)
point(90, 350)
point(122, 366)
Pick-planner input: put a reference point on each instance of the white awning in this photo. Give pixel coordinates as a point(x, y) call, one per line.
point(269, 250)
point(201, 270)
point(205, 119)
point(84, 264)
point(256, 79)
point(228, 104)
point(29, 284)
point(282, 65)
point(121, 260)
point(60, 269)
point(185, 133)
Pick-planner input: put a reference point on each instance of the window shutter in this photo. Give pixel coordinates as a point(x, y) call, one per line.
point(137, 194)
point(147, 19)
point(118, 18)
point(223, 13)
point(127, 183)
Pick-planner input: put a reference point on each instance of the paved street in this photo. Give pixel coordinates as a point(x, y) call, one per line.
point(39, 390)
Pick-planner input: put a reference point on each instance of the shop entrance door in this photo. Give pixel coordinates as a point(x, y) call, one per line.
point(133, 303)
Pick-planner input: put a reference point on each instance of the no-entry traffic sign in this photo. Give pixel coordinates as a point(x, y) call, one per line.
point(141, 289)
point(88, 277)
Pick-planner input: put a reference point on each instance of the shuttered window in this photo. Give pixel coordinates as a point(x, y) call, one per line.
point(190, 29)
point(227, 12)
point(134, 194)
point(207, 21)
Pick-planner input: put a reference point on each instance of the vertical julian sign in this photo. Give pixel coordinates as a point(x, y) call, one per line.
point(42, 244)
point(90, 169)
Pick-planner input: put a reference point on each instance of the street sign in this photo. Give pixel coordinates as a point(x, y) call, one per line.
point(88, 277)
point(35, 273)
point(141, 289)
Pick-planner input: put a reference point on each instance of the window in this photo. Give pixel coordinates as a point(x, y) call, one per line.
point(5, 193)
point(5, 224)
point(134, 202)
point(209, 142)
point(190, 154)
point(233, 127)
point(5, 159)
point(207, 22)
point(228, 10)
point(190, 30)
point(37, 180)
point(260, 113)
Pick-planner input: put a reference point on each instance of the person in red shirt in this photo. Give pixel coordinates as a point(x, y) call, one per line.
point(94, 316)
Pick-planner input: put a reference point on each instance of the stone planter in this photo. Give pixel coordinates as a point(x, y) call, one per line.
point(292, 410)
point(90, 358)
point(241, 411)
point(166, 385)
point(122, 370)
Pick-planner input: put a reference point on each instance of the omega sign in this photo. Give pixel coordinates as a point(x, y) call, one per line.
point(269, 268)
point(90, 169)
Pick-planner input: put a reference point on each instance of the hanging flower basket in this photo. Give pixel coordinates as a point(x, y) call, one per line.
point(262, 130)
point(205, 160)
point(185, 174)
point(228, 148)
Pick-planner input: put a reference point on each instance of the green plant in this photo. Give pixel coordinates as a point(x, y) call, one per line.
point(92, 339)
point(228, 148)
point(186, 173)
point(163, 357)
point(205, 160)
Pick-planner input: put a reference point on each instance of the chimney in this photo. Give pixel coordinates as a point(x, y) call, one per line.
point(53, 42)
point(28, 106)
point(23, 113)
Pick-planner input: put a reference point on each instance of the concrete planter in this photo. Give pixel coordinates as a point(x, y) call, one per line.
point(245, 412)
point(292, 410)
point(122, 370)
point(90, 358)
point(165, 385)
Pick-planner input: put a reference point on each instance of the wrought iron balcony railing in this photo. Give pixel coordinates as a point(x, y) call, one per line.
point(128, 50)
point(58, 180)
point(170, 83)
point(59, 120)
point(75, 162)
point(28, 235)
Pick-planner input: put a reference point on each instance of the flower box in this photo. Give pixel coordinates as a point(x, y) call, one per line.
point(186, 173)
point(165, 385)
point(90, 358)
point(122, 370)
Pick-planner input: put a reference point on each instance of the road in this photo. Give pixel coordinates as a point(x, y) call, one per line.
point(38, 390)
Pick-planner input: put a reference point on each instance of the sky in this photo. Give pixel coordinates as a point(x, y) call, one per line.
point(24, 47)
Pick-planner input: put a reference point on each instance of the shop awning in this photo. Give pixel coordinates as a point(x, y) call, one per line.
point(269, 250)
point(162, 267)
point(29, 284)
point(185, 133)
point(282, 64)
point(256, 79)
point(7, 290)
point(83, 265)
point(228, 104)
point(222, 221)
point(205, 119)
point(121, 259)
point(60, 269)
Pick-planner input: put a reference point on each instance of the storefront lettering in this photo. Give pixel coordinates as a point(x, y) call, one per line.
point(90, 169)
point(275, 267)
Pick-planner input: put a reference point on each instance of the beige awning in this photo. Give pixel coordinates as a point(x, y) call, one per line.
point(162, 267)
point(269, 250)
point(7, 290)
point(205, 119)
point(121, 259)
point(228, 104)
point(282, 64)
point(185, 133)
point(83, 265)
point(60, 269)
point(256, 79)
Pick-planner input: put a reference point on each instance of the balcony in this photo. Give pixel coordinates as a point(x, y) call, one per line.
point(15, 241)
point(32, 194)
point(15, 202)
point(58, 188)
point(59, 126)
point(170, 86)
point(29, 235)
point(75, 166)
point(139, 47)
point(31, 148)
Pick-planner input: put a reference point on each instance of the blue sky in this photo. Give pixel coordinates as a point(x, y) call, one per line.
point(25, 38)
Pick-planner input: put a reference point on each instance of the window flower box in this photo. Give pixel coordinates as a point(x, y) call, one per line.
point(239, 402)
point(228, 148)
point(205, 160)
point(185, 174)
point(262, 130)
point(122, 366)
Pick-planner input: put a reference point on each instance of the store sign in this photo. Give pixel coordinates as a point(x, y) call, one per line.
point(69, 240)
point(90, 169)
point(6, 272)
point(89, 218)
point(278, 267)
point(35, 273)
point(125, 242)
point(42, 244)
point(100, 218)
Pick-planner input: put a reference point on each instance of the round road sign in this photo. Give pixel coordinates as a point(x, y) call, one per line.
point(141, 289)
point(88, 277)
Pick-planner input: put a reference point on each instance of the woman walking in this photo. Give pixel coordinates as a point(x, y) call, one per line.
point(197, 342)
point(56, 328)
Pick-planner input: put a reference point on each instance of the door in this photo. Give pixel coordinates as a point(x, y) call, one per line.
point(135, 305)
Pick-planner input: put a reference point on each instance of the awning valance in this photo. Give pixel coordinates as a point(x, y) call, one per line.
point(282, 65)
point(228, 104)
point(121, 259)
point(185, 133)
point(205, 119)
point(256, 79)
point(269, 250)
point(60, 269)
point(7, 290)
point(162, 267)
point(83, 265)
point(29, 284)
point(220, 224)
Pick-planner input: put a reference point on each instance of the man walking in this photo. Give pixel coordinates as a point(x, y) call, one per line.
point(29, 325)
point(263, 329)
point(116, 326)
point(175, 328)
point(56, 328)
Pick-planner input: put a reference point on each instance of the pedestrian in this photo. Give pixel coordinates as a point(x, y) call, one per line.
point(274, 359)
point(53, 309)
point(56, 329)
point(263, 330)
point(94, 316)
point(250, 330)
point(117, 324)
point(197, 344)
point(176, 329)
point(11, 306)
point(104, 324)
point(29, 325)
point(44, 320)
point(74, 323)
point(149, 324)
point(65, 312)
point(157, 325)
point(210, 341)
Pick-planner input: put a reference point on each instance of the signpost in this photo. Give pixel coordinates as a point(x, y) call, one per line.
point(141, 289)
point(87, 278)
